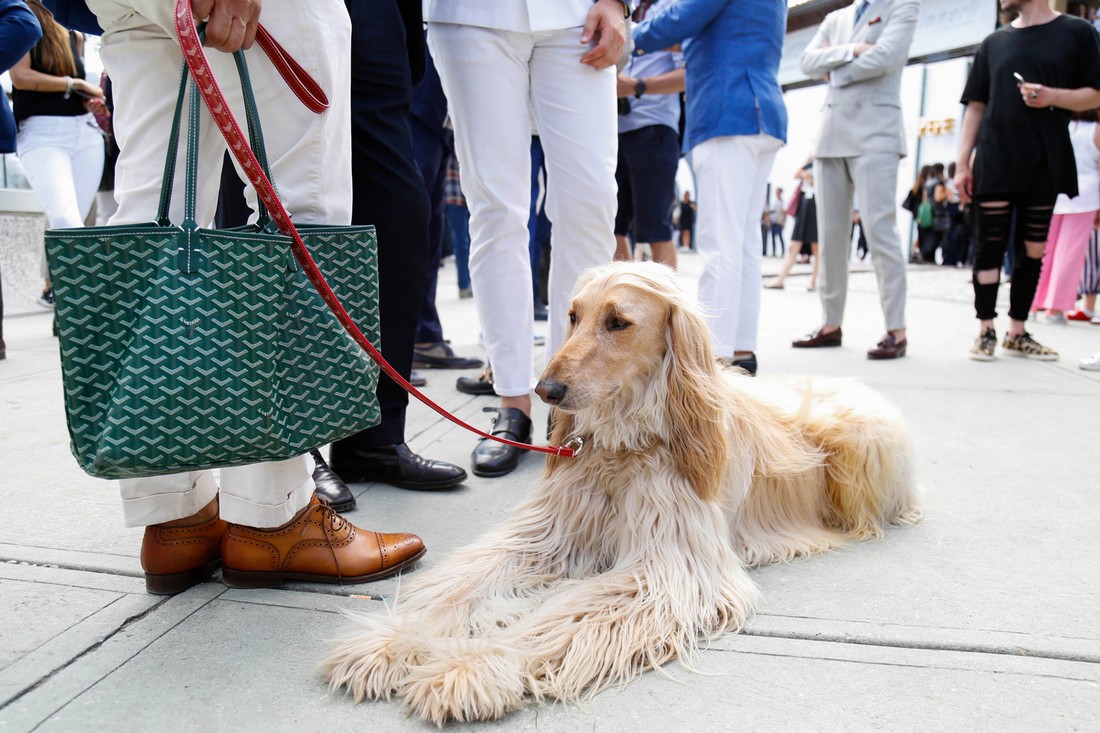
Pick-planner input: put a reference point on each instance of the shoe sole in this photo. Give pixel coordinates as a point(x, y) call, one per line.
point(477, 392)
point(429, 363)
point(347, 506)
point(1033, 357)
point(816, 346)
point(982, 357)
point(264, 579)
point(883, 357)
point(173, 583)
point(359, 478)
point(494, 474)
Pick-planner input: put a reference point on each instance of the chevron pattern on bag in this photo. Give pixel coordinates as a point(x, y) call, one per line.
point(238, 363)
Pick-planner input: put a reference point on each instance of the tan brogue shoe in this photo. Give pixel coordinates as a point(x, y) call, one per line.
point(318, 545)
point(176, 558)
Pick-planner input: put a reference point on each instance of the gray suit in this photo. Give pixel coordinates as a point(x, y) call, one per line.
point(860, 144)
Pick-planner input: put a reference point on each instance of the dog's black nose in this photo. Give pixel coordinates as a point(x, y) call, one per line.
point(550, 392)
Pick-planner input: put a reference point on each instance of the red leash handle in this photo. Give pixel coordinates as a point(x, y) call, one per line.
point(197, 62)
point(297, 78)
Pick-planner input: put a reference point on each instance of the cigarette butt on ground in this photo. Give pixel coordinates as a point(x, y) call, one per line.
point(366, 597)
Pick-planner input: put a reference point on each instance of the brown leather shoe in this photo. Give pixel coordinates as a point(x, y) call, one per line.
point(176, 558)
point(319, 545)
point(888, 348)
point(818, 338)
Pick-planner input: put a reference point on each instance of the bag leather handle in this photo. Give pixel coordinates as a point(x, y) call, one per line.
point(199, 65)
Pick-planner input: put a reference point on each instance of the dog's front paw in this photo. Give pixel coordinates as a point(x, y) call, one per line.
point(464, 680)
point(371, 658)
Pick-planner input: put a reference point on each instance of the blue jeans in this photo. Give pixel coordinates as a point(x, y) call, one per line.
point(457, 231)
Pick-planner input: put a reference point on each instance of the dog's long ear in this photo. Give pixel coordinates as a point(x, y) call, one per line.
point(697, 431)
point(560, 431)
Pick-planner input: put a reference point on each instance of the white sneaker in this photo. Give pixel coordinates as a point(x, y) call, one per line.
point(1091, 363)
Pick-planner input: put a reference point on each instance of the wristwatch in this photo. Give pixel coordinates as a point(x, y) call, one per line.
point(639, 88)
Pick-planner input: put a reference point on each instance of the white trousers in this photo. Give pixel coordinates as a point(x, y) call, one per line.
point(310, 160)
point(62, 158)
point(495, 81)
point(731, 173)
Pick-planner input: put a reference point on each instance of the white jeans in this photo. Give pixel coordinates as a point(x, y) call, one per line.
point(310, 159)
point(731, 173)
point(62, 158)
point(495, 81)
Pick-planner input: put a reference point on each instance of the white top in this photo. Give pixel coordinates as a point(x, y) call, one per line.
point(1088, 171)
point(520, 16)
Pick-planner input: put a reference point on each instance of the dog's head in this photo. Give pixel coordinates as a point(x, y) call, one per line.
point(637, 366)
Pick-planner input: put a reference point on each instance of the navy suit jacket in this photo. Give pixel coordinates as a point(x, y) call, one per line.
point(19, 31)
point(74, 14)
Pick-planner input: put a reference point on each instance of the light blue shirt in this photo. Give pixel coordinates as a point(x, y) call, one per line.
point(652, 109)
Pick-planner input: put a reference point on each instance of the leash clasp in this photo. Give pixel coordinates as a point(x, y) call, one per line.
point(575, 444)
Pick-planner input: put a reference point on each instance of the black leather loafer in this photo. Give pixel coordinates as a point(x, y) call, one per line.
point(492, 459)
point(482, 384)
point(397, 465)
point(329, 486)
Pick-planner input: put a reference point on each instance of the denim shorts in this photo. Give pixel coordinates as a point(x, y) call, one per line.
point(648, 158)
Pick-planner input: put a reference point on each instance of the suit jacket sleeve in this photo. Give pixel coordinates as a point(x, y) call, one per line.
point(684, 19)
point(74, 14)
point(19, 31)
point(889, 52)
point(821, 55)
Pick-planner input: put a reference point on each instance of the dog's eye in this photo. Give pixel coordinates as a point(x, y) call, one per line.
point(572, 318)
point(617, 324)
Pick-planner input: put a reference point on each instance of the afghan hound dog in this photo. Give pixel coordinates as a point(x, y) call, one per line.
point(633, 553)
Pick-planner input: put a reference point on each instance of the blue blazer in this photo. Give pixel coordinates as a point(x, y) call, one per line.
point(732, 50)
point(19, 31)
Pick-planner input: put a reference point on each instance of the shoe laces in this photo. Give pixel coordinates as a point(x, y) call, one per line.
point(330, 517)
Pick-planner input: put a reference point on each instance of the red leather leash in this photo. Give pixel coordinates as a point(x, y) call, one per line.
point(197, 62)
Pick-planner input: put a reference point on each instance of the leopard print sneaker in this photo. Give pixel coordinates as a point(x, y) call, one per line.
point(984, 345)
point(1024, 345)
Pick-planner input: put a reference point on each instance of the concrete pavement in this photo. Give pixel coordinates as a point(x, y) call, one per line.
point(983, 617)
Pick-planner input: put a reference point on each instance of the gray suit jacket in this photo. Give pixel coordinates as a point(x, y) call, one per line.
point(862, 112)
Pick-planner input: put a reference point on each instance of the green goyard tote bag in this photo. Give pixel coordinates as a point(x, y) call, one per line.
point(186, 348)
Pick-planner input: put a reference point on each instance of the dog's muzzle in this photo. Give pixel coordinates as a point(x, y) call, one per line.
point(552, 393)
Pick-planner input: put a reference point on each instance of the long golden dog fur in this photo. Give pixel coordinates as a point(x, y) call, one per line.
point(633, 553)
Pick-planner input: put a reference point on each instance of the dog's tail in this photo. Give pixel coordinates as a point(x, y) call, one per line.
point(869, 461)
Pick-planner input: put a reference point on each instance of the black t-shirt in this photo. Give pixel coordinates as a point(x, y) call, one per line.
point(1019, 146)
point(26, 103)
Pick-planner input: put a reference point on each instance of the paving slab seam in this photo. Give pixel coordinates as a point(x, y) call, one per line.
point(906, 665)
point(97, 676)
point(29, 375)
point(70, 566)
point(973, 648)
point(89, 650)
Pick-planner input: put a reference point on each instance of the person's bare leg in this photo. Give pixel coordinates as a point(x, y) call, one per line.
point(664, 252)
point(1089, 303)
point(622, 249)
point(788, 262)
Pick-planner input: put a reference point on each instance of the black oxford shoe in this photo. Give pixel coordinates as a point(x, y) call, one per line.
point(397, 465)
point(492, 459)
point(329, 486)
